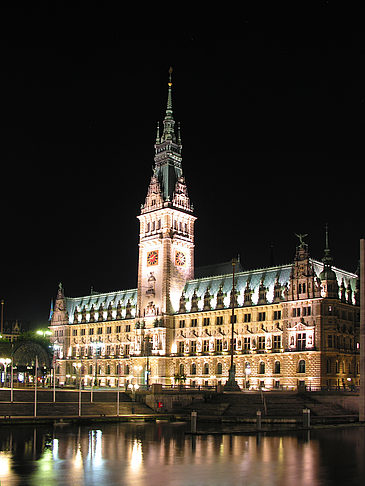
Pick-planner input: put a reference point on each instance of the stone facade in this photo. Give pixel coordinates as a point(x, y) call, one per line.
point(294, 325)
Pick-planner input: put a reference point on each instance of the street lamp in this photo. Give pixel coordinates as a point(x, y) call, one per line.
point(96, 346)
point(78, 367)
point(5, 362)
point(56, 348)
point(44, 333)
point(147, 341)
point(134, 387)
point(247, 374)
point(137, 369)
point(231, 384)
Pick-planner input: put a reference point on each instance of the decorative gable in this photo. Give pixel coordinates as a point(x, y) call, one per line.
point(154, 199)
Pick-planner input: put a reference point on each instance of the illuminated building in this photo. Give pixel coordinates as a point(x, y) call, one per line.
point(294, 325)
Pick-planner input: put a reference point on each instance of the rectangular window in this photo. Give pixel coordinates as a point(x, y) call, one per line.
point(329, 341)
point(74, 332)
point(261, 342)
point(182, 323)
point(277, 342)
point(194, 322)
point(246, 343)
point(234, 319)
point(91, 331)
point(117, 329)
point(83, 332)
point(126, 349)
point(128, 328)
point(262, 316)
point(219, 320)
point(205, 345)
point(301, 340)
point(193, 346)
point(219, 345)
point(100, 330)
point(109, 330)
point(277, 315)
point(247, 318)
point(307, 311)
point(206, 321)
point(181, 347)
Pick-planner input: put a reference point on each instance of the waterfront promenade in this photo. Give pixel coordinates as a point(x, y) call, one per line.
point(211, 407)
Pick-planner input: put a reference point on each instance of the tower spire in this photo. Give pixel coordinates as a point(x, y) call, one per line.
point(327, 259)
point(169, 122)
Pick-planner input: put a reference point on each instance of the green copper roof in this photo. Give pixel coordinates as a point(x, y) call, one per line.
point(168, 148)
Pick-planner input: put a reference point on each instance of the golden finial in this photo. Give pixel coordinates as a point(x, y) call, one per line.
point(170, 73)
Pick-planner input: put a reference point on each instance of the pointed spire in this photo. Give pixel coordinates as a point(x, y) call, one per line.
point(169, 122)
point(169, 95)
point(327, 259)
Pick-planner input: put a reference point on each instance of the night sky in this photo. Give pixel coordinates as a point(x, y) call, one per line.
point(272, 121)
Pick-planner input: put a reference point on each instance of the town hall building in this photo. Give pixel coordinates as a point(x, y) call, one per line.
point(294, 325)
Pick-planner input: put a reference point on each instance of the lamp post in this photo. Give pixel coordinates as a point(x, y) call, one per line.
point(147, 341)
point(35, 385)
point(5, 362)
point(133, 387)
point(96, 346)
point(78, 367)
point(247, 375)
point(56, 349)
point(137, 369)
point(231, 384)
point(118, 378)
point(12, 381)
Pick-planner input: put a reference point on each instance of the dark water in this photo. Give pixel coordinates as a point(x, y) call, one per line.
point(162, 455)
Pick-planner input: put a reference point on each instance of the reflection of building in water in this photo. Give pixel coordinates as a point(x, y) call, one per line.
point(153, 454)
point(295, 324)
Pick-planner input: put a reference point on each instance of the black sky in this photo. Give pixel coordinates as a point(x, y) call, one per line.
point(272, 116)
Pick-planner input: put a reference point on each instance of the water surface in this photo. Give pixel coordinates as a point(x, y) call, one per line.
point(163, 455)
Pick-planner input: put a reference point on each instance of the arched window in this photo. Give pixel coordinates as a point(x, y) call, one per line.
point(301, 366)
point(193, 369)
point(206, 369)
point(261, 368)
point(328, 366)
point(219, 368)
point(181, 369)
point(277, 367)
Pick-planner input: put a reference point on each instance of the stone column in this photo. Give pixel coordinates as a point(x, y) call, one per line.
point(362, 331)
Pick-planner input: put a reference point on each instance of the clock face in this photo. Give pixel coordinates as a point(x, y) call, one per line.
point(152, 258)
point(180, 258)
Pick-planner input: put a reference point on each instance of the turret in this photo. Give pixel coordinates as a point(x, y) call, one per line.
point(327, 276)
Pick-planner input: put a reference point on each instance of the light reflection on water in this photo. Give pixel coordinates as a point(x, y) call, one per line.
point(161, 454)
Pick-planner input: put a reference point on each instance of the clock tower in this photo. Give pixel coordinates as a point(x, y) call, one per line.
point(166, 236)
